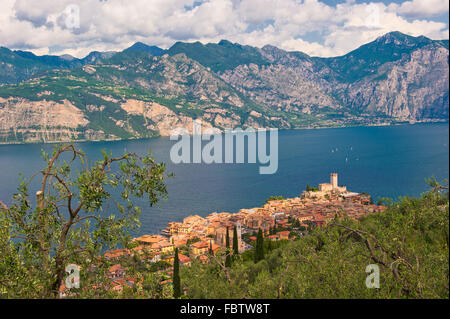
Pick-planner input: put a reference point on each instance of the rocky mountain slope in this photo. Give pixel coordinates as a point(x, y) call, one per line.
point(144, 90)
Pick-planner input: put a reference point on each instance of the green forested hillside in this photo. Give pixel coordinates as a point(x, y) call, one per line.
point(409, 243)
point(221, 56)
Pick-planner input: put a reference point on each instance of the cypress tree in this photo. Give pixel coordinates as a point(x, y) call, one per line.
point(227, 239)
point(227, 244)
point(176, 276)
point(255, 255)
point(235, 241)
point(259, 249)
point(261, 245)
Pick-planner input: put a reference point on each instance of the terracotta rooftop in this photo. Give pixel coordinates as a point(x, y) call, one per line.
point(200, 244)
point(183, 259)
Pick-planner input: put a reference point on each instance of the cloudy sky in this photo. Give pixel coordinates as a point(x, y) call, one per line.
point(316, 27)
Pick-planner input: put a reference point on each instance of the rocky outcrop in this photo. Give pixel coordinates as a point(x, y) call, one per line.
point(172, 77)
point(283, 87)
point(44, 120)
point(160, 118)
point(413, 88)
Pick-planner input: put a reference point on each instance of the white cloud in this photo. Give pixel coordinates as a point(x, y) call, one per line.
point(310, 26)
point(423, 8)
point(313, 48)
point(363, 23)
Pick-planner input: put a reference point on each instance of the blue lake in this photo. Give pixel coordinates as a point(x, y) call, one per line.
point(388, 161)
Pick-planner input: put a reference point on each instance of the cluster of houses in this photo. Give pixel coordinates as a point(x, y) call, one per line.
point(206, 235)
point(313, 207)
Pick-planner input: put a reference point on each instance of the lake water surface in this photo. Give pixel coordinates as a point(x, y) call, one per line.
point(388, 161)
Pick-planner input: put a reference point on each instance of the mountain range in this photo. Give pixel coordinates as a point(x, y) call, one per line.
point(145, 91)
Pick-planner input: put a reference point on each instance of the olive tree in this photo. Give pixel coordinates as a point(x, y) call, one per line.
point(81, 207)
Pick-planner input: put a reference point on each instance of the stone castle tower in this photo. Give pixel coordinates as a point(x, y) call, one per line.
point(334, 180)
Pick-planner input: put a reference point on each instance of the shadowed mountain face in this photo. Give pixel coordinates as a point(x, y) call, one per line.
point(18, 66)
point(145, 90)
point(368, 58)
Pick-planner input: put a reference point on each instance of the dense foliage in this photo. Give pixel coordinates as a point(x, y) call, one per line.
point(176, 276)
point(280, 197)
point(409, 242)
point(259, 247)
point(76, 215)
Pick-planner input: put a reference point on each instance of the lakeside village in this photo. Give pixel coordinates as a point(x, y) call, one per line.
point(200, 237)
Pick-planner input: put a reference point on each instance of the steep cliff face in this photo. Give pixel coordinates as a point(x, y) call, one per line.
point(396, 76)
point(291, 88)
point(134, 94)
point(44, 120)
point(159, 118)
point(412, 88)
